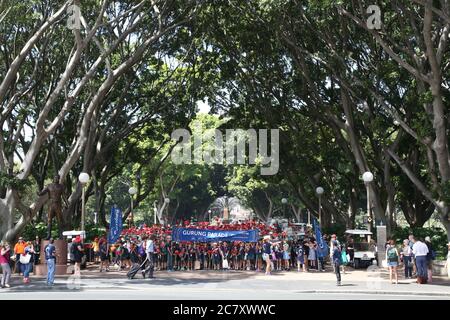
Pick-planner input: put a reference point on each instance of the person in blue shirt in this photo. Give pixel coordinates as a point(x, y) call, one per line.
point(50, 258)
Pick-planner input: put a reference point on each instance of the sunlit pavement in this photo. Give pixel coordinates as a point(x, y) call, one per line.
point(234, 285)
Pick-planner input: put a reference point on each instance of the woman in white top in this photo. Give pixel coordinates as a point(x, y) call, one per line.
point(407, 258)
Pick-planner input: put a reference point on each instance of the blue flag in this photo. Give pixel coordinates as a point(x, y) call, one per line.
point(115, 225)
point(322, 245)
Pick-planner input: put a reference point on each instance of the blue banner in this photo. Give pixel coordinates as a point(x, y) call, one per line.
point(209, 235)
point(115, 225)
point(323, 248)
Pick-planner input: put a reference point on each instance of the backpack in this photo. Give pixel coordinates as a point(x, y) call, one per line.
point(392, 254)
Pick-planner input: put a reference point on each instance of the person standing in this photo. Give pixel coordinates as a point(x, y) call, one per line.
point(267, 250)
point(5, 252)
point(406, 256)
point(286, 255)
point(50, 258)
point(392, 260)
point(430, 257)
point(37, 250)
point(259, 255)
point(420, 251)
point(104, 256)
point(334, 242)
point(336, 258)
point(300, 258)
point(312, 257)
point(96, 249)
point(169, 257)
point(411, 243)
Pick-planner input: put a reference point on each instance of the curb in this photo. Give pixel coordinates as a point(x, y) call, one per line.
point(403, 293)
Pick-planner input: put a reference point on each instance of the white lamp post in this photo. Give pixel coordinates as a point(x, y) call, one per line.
point(83, 178)
point(320, 191)
point(368, 178)
point(209, 215)
point(132, 191)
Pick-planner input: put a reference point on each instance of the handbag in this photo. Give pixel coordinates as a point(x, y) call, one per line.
point(25, 259)
point(225, 264)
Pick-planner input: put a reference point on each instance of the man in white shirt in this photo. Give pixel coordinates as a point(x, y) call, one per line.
point(420, 251)
point(150, 250)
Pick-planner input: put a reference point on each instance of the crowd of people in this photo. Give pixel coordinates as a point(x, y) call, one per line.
point(149, 249)
point(417, 256)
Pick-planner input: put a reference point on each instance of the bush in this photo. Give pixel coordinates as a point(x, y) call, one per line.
point(437, 235)
point(30, 231)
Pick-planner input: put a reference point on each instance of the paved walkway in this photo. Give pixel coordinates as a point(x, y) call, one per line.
point(195, 285)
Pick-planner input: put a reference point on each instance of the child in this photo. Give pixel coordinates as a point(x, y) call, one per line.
point(300, 258)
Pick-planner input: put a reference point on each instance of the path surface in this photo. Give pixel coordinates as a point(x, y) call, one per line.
point(230, 285)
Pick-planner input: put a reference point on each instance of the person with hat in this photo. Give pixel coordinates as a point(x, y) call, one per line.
point(50, 258)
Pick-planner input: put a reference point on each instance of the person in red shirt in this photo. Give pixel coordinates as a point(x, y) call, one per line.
point(4, 263)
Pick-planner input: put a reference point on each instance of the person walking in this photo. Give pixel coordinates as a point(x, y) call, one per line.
point(50, 258)
point(392, 260)
point(26, 261)
point(150, 251)
point(406, 257)
point(336, 259)
point(420, 251)
point(5, 252)
point(77, 251)
point(19, 249)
